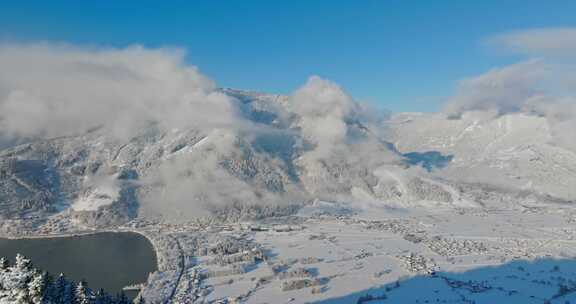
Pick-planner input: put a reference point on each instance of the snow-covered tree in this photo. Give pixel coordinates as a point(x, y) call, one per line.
point(24, 284)
point(83, 294)
point(102, 297)
point(22, 263)
point(21, 296)
point(36, 288)
point(3, 264)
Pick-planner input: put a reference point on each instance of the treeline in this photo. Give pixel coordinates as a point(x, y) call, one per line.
point(21, 283)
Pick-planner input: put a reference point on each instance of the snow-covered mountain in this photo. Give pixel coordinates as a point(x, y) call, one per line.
point(514, 151)
point(287, 155)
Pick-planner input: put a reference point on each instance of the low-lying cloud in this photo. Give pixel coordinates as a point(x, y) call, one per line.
point(543, 86)
point(49, 90)
point(504, 90)
point(191, 185)
point(322, 107)
point(326, 113)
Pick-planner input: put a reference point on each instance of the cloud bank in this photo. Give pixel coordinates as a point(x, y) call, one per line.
point(543, 86)
point(504, 90)
point(49, 90)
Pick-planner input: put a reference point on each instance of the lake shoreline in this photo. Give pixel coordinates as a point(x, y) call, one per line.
point(83, 233)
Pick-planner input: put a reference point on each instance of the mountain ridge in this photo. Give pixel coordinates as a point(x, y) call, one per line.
point(272, 166)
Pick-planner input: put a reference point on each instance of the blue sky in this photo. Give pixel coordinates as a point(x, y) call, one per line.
point(403, 55)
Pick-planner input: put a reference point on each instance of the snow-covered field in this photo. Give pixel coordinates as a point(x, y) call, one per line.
point(386, 255)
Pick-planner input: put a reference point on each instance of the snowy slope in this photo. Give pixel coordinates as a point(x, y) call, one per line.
point(515, 150)
point(183, 174)
point(415, 160)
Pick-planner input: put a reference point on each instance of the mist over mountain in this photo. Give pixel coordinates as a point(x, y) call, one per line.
point(108, 135)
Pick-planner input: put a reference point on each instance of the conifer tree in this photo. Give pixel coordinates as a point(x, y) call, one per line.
point(64, 290)
point(49, 295)
point(102, 297)
point(122, 299)
point(22, 263)
point(36, 288)
point(23, 284)
point(59, 289)
point(82, 294)
point(3, 264)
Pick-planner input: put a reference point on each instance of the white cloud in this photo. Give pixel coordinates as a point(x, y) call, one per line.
point(322, 107)
point(49, 90)
point(561, 115)
point(559, 41)
point(503, 90)
point(544, 86)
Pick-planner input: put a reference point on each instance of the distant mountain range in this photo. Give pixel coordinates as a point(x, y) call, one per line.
point(272, 166)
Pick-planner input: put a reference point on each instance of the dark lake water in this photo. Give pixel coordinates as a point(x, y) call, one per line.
point(105, 260)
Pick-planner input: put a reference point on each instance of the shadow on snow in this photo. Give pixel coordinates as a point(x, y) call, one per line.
point(429, 160)
point(518, 282)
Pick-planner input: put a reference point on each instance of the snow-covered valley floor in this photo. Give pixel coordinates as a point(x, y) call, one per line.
point(330, 254)
point(386, 256)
